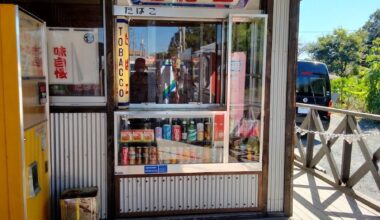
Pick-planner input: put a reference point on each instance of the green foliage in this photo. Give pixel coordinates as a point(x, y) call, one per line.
point(373, 97)
point(373, 78)
point(352, 91)
point(341, 51)
point(362, 91)
point(356, 58)
point(374, 52)
point(372, 27)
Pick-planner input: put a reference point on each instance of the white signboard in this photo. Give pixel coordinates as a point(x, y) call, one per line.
point(193, 2)
point(73, 56)
point(179, 12)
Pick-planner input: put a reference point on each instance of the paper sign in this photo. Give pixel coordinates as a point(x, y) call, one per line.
point(31, 46)
point(238, 75)
point(73, 56)
point(122, 62)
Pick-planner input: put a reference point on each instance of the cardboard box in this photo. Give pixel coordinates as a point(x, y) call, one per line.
point(79, 204)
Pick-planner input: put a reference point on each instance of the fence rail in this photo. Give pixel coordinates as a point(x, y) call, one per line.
point(312, 127)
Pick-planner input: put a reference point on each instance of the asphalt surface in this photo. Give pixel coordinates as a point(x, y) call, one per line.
point(366, 185)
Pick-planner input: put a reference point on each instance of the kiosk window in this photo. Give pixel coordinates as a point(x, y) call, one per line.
point(247, 55)
point(175, 62)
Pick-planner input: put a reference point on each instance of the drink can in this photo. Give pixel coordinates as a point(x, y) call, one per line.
point(200, 131)
point(176, 132)
point(184, 136)
point(207, 131)
point(153, 155)
point(184, 130)
point(167, 132)
point(138, 155)
point(124, 155)
point(132, 155)
point(145, 155)
point(192, 135)
point(158, 132)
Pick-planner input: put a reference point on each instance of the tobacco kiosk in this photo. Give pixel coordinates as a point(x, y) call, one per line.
point(169, 107)
point(188, 129)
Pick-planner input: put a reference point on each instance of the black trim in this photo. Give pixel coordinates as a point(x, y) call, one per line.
point(78, 109)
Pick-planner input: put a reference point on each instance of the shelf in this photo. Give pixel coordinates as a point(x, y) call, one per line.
point(33, 77)
point(244, 155)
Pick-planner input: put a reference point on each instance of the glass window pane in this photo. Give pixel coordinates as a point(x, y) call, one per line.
point(31, 46)
point(175, 62)
point(311, 85)
point(246, 89)
point(170, 140)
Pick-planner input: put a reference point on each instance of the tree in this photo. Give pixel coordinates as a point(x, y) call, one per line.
point(372, 27)
point(373, 78)
point(340, 50)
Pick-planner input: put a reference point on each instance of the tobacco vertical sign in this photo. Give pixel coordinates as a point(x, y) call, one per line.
point(122, 62)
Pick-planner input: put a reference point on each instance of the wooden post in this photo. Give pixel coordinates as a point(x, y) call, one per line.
point(109, 22)
point(310, 141)
point(267, 7)
point(346, 155)
point(294, 7)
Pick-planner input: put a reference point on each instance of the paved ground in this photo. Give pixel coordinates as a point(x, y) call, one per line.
point(367, 185)
point(315, 199)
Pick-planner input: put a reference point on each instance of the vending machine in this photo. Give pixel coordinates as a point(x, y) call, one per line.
point(24, 165)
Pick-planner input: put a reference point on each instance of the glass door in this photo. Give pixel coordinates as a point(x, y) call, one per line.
point(246, 62)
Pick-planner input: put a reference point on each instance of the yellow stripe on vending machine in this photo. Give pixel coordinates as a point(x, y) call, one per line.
point(122, 62)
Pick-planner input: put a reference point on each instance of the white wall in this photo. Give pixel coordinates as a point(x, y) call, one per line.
point(278, 105)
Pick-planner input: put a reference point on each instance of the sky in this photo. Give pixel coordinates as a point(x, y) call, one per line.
point(321, 17)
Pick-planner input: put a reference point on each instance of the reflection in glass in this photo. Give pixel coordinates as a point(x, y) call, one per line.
point(31, 46)
point(246, 89)
point(181, 62)
point(314, 84)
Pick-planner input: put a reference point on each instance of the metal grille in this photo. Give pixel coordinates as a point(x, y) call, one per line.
point(78, 155)
point(278, 105)
point(174, 193)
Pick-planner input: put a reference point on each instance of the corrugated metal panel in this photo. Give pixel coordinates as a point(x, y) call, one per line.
point(173, 193)
point(78, 155)
point(278, 105)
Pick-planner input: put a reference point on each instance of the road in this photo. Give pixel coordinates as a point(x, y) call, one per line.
point(367, 185)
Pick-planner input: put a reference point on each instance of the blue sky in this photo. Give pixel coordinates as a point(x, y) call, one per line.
point(321, 17)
